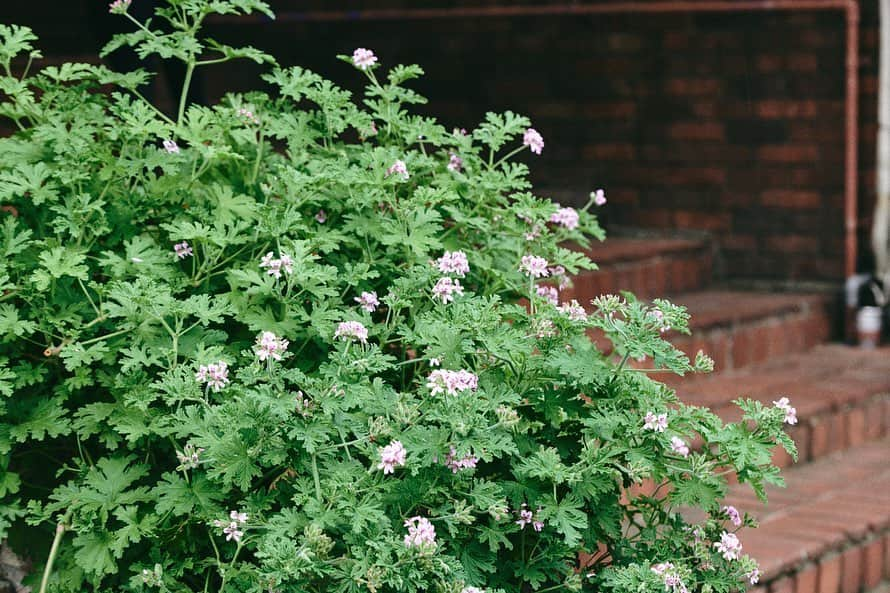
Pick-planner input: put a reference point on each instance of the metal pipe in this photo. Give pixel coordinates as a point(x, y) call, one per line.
point(849, 7)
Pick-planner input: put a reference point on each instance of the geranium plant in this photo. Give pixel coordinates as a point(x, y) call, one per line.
point(303, 341)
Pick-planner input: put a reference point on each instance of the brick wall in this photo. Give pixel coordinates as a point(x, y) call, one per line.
point(731, 123)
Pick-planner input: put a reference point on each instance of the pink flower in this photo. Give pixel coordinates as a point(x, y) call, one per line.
point(189, 458)
point(729, 546)
point(391, 456)
point(248, 115)
point(368, 301)
point(352, 330)
point(468, 461)
point(421, 533)
point(231, 528)
point(454, 262)
point(657, 423)
point(451, 382)
point(446, 288)
point(599, 197)
point(658, 317)
point(119, 6)
point(754, 576)
point(790, 412)
point(534, 266)
point(169, 145)
point(363, 58)
point(275, 266)
point(183, 250)
point(679, 446)
point(215, 375)
point(527, 518)
point(533, 140)
point(733, 514)
point(548, 293)
point(321, 217)
point(240, 518)
point(567, 217)
point(270, 347)
point(573, 310)
point(455, 163)
point(399, 168)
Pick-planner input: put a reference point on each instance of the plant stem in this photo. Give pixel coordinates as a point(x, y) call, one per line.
point(315, 477)
point(186, 83)
point(61, 527)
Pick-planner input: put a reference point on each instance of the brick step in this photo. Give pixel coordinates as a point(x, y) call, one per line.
point(842, 396)
point(829, 530)
point(647, 267)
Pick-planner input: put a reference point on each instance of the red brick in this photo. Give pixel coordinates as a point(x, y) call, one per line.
point(702, 130)
point(803, 62)
point(855, 426)
point(783, 198)
point(807, 579)
point(782, 585)
point(872, 571)
point(784, 109)
point(693, 86)
point(887, 556)
point(830, 574)
point(874, 420)
point(820, 433)
point(851, 568)
point(784, 153)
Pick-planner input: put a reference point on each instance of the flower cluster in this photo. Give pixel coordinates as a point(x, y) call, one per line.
point(169, 145)
point(446, 288)
point(533, 140)
point(526, 517)
point(670, 576)
point(451, 382)
point(421, 533)
point(248, 115)
point(392, 456)
point(398, 168)
point(189, 457)
point(455, 163)
point(215, 375)
point(321, 216)
point(232, 528)
point(658, 317)
point(548, 293)
point(784, 404)
point(733, 514)
point(679, 446)
point(598, 197)
point(456, 464)
point(729, 546)
point(352, 330)
point(183, 250)
point(363, 58)
point(270, 347)
point(119, 6)
point(153, 577)
point(274, 266)
point(534, 266)
point(454, 262)
point(567, 217)
point(573, 310)
point(658, 423)
point(368, 301)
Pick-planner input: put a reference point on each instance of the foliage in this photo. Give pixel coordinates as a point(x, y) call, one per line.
point(201, 388)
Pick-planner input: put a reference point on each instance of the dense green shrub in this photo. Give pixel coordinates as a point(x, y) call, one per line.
point(280, 344)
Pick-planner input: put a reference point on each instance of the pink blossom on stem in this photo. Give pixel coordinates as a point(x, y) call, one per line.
point(658, 317)
point(170, 146)
point(456, 464)
point(790, 412)
point(451, 382)
point(215, 375)
point(446, 288)
point(729, 546)
point(679, 446)
point(183, 250)
point(421, 533)
point(270, 347)
point(453, 262)
point(599, 197)
point(533, 140)
point(733, 514)
point(548, 293)
point(455, 163)
point(352, 330)
point(119, 6)
point(391, 456)
point(534, 266)
point(368, 301)
point(567, 217)
point(398, 168)
point(274, 266)
point(363, 58)
point(573, 310)
point(754, 576)
point(657, 423)
point(321, 217)
point(248, 115)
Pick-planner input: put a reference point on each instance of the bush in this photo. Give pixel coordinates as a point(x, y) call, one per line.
point(295, 342)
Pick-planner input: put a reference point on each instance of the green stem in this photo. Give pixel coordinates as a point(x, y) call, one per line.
point(315, 477)
point(225, 575)
point(186, 83)
point(61, 528)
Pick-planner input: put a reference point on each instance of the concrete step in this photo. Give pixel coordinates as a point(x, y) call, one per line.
point(842, 396)
point(829, 530)
point(647, 267)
